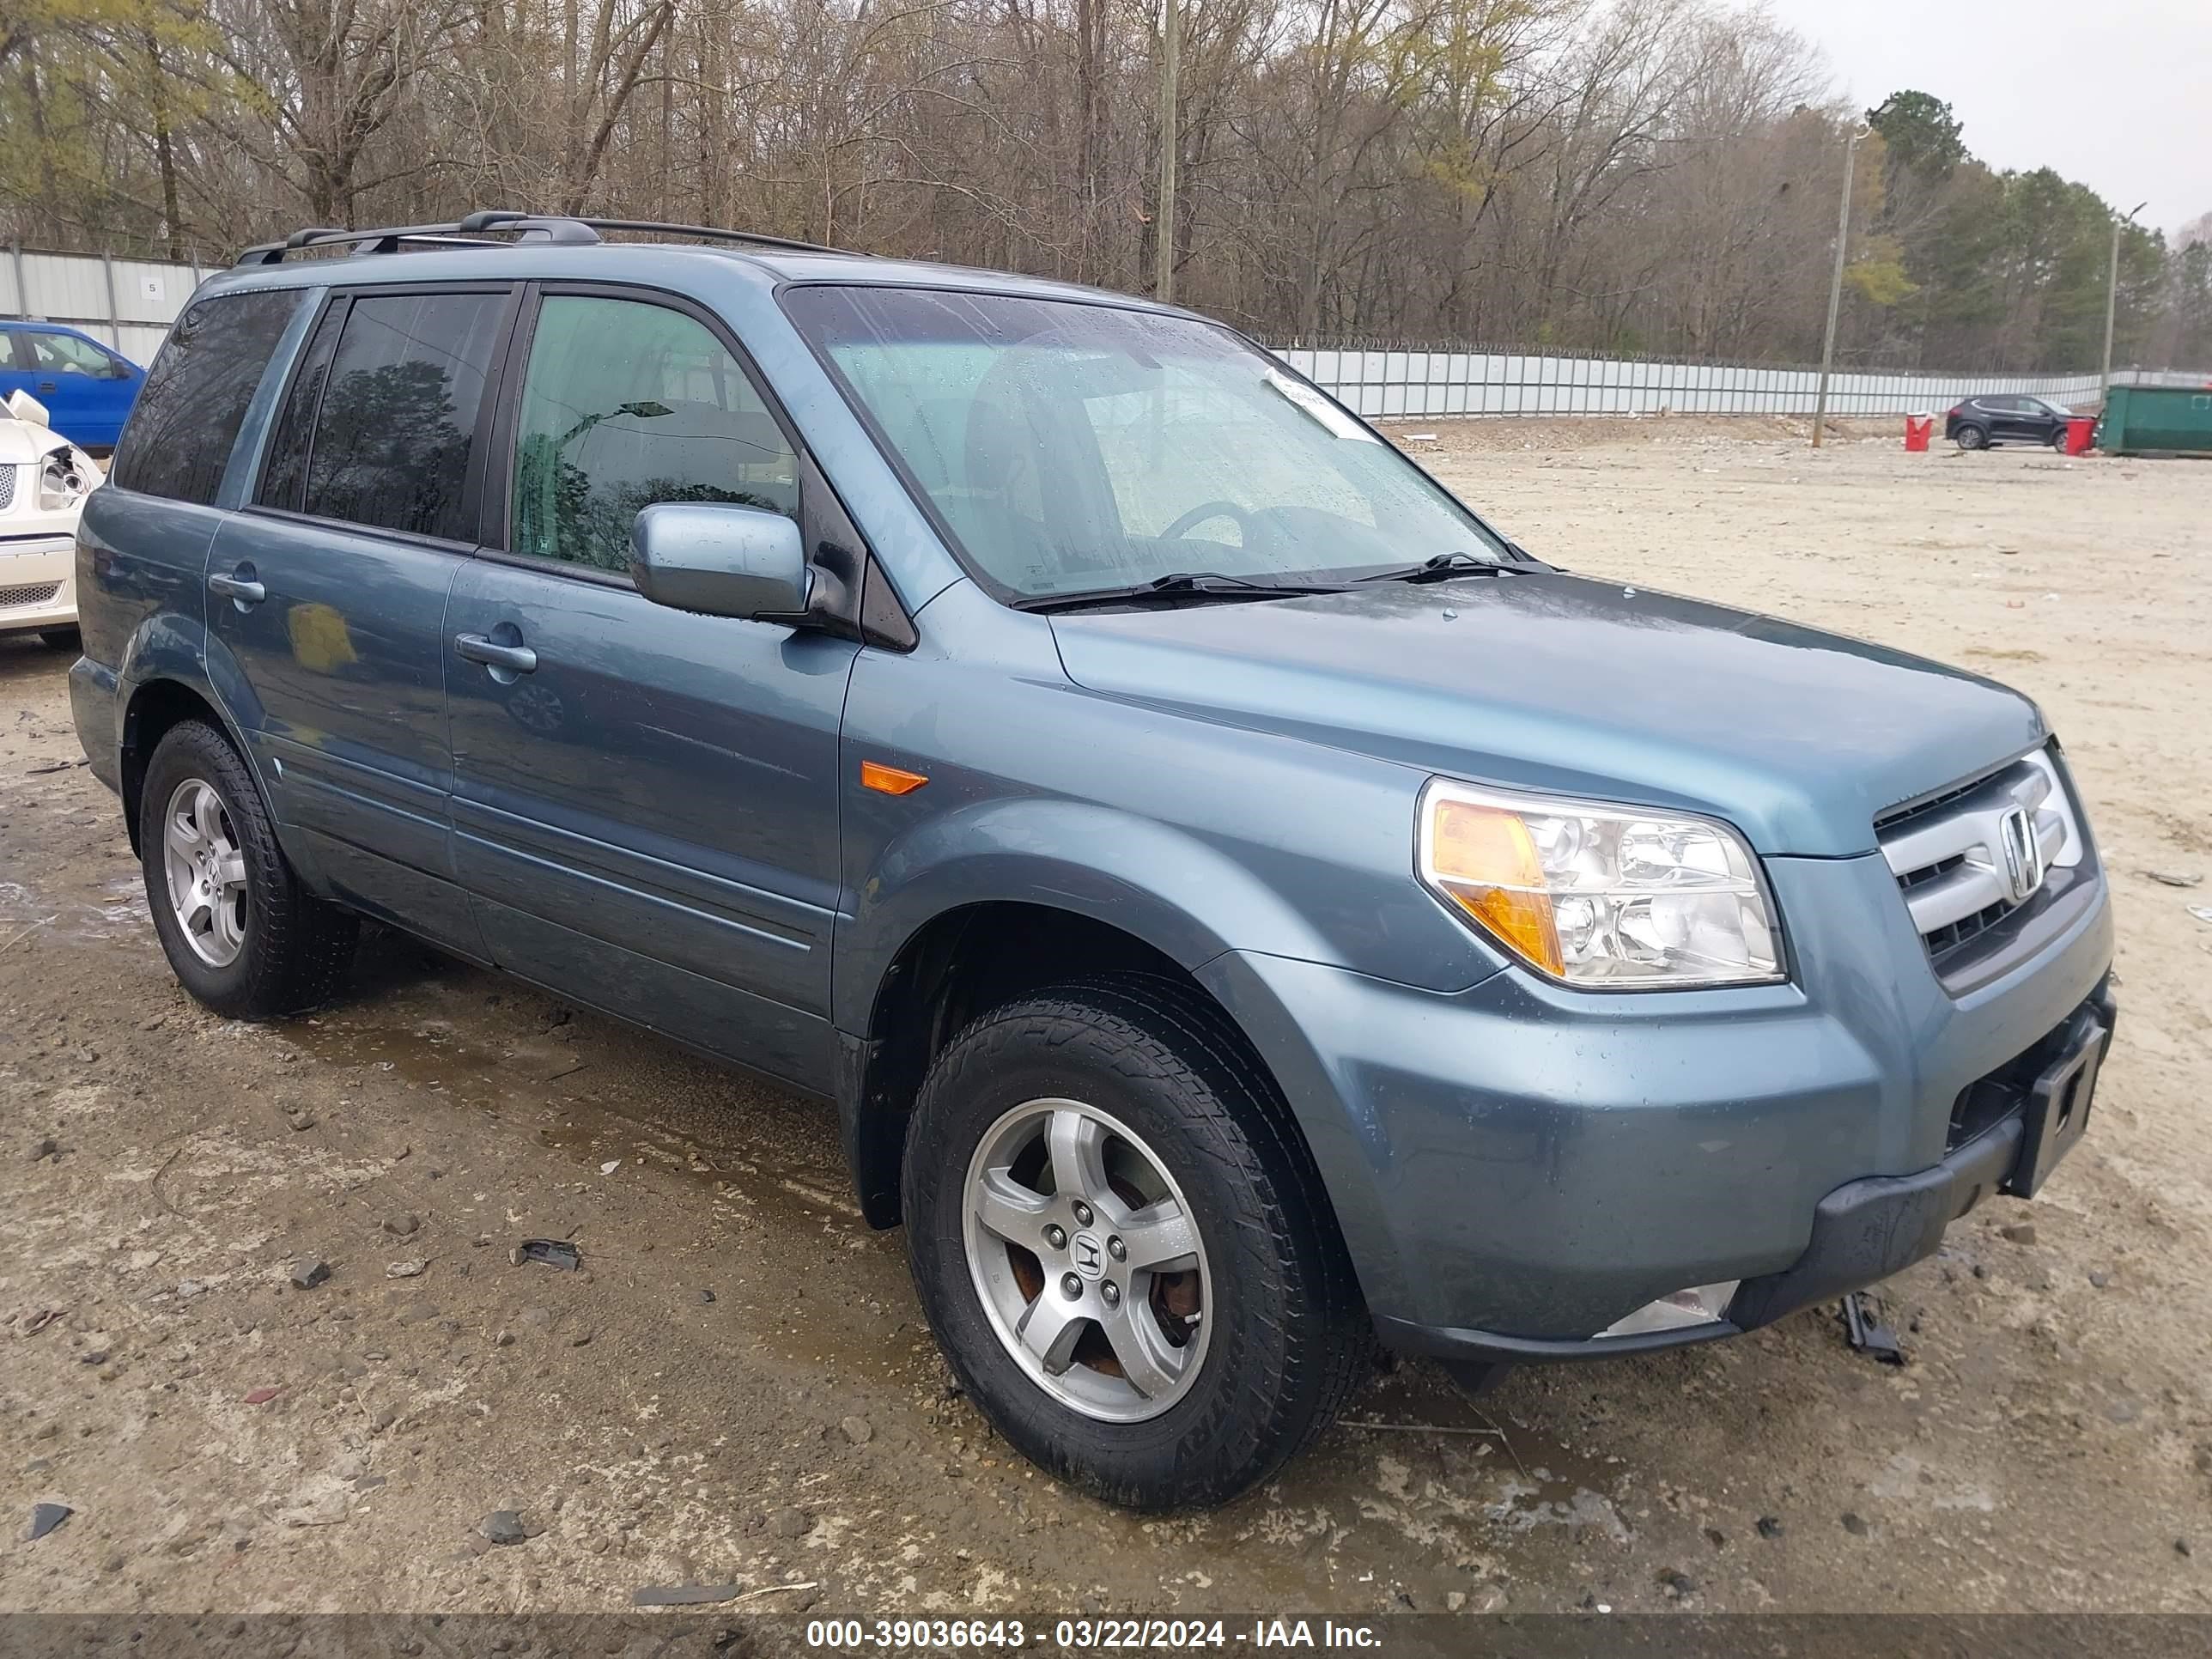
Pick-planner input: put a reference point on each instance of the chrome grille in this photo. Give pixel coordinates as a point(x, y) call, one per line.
point(1949, 855)
point(8, 486)
point(37, 593)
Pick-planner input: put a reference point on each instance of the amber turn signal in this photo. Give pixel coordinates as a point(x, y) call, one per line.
point(1486, 859)
point(890, 780)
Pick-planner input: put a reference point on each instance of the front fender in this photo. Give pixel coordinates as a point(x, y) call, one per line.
point(1178, 894)
point(1181, 895)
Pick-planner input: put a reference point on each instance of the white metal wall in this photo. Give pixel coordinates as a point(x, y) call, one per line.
point(1449, 385)
point(129, 303)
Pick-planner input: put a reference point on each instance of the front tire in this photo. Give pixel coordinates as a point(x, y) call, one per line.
point(1123, 1247)
point(241, 932)
point(62, 639)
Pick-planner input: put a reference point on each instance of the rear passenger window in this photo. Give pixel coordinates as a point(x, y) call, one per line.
point(626, 403)
point(178, 441)
point(398, 412)
point(285, 473)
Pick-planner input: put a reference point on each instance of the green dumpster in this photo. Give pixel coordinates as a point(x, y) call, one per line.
point(2157, 420)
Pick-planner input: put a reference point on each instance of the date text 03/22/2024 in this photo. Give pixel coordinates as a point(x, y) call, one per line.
point(1085, 1635)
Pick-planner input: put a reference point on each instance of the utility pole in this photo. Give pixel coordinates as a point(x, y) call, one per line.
point(1836, 287)
point(1170, 50)
point(2112, 292)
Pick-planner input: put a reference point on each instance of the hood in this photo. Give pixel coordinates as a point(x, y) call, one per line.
point(21, 441)
point(1552, 682)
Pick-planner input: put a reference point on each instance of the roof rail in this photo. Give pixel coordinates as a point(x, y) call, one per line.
point(392, 239)
point(498, 218)
point(470, 232)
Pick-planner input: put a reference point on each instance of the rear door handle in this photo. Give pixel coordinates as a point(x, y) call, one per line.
point(515, 659)
point(243, 589)
point(45, 386)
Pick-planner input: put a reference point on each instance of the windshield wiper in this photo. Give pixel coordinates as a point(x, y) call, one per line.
point(1445, 566)
point(1177, 585)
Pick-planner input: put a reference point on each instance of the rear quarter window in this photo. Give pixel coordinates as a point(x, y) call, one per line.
point(178, 437)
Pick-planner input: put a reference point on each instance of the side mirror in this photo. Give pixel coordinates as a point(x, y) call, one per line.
point(721, 560)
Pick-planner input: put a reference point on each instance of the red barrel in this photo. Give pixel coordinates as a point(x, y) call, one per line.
point(2080, 428)
point(1917, 429)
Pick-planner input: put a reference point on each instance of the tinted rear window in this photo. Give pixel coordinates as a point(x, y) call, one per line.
point(398, 414)
point(194, 400)
point(285, 472)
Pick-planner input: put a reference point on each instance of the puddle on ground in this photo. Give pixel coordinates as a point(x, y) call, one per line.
point(119, 911)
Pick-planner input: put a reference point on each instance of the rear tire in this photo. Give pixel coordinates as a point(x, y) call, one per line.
point(1973, 437)
point(1284, 1336)
point(241, 932)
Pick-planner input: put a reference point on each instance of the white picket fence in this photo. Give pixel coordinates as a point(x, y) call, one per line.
point(130, 303)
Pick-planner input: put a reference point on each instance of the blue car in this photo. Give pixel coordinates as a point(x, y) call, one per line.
point(88, 388)
point(1238, 904)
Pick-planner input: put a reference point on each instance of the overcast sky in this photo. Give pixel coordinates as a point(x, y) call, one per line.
point(2114, 94)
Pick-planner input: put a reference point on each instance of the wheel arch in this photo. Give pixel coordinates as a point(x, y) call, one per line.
point(996, 897)
point(169, 672)
point(959, 964)
point(154, 708)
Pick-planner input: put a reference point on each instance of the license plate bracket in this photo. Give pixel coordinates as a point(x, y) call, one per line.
point(2058, 1105)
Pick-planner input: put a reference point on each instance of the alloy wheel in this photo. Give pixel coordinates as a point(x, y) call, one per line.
point(1088, 1259)
point(205, 870)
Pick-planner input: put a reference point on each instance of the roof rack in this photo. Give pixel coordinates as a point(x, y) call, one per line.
point(497, 219)
point(470, 232)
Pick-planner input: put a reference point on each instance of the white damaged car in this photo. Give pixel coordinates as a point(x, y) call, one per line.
point(44, 479)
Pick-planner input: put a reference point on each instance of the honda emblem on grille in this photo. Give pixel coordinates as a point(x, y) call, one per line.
point(2023, 854)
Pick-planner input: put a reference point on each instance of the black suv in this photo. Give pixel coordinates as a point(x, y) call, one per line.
point(1980, 421)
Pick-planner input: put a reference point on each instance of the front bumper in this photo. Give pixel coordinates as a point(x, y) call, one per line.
point(38, 581)
point(1518, 1166)
point(1865, 1232)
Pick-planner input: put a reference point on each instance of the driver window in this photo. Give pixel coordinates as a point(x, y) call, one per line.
point(626, 403)
point(64, 354)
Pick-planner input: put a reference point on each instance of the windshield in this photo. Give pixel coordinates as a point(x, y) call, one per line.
point(1071, 448)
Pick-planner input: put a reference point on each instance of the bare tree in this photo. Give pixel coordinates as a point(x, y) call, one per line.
point(1624, 174)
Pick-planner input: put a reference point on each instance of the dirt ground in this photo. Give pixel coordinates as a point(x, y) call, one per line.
point(737, 1390)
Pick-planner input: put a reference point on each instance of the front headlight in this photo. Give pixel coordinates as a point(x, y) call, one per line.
point(1601, 896)
point(61, 483)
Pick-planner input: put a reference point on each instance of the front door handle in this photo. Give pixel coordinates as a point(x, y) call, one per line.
point(514, 658)
point(241, 588)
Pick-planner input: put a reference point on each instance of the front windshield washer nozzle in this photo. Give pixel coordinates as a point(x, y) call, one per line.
point(1450, 615)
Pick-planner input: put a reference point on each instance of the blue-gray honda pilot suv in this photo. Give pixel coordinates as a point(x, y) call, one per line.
point(1239, 903)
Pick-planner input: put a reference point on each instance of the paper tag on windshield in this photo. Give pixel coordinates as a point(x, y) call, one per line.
point(1338, 423)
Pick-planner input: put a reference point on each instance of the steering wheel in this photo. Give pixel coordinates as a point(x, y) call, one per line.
point(1198, 515)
